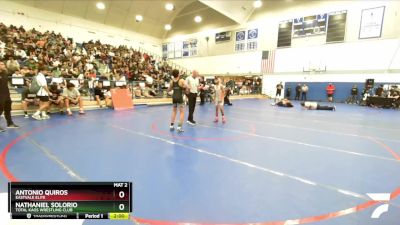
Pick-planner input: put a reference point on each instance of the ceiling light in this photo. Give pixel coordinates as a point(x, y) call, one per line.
point(198, 19)
point(167, 27)
point(257, 4)
point(139, 18)
point(100, 5)
point(169, 6)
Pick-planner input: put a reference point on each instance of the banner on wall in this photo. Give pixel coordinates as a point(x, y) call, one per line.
point(189, 48)
point(185, 49)
point(252, 34)
point(178, 49)
point(240, 44)
point(371, 22)
point(252, 42)
point(193, 47)
point(309, 25)
point(165, 51)
point(222, 36)
point(241, 35)
point(171, 50)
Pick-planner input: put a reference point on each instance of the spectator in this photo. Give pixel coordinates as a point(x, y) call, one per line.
point(39, 83)
point(56, 98)
point(12, 64)
point(330, 91)
point(288, 92)
point(354, 95)
point(298, 91)
point(304, 91)
point(100, 96)
point(202, 83)
point(28, 98)
point(279, 88)
point(72, 97)
point(379, 91)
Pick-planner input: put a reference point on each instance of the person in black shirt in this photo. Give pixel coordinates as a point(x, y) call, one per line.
point(178, 86)
point(28, 98)
point(56, 98)
point(99, 95)
point(354, 95)
point(5, 99)
point(202, 83)
point(283, 103)
point(226, 97)
point(379, 91)
point(298, 91)
point(279, 88)
point(288, 92)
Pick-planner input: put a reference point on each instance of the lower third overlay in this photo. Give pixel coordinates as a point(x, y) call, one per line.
point(70, 200)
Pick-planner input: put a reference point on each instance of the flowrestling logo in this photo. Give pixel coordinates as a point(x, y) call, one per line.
point(381, 197)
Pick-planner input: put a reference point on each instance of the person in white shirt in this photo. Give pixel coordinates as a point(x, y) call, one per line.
point(21, 53)
point(193, 87)
point(72, 96)
point(316, 106)
point(42, 94)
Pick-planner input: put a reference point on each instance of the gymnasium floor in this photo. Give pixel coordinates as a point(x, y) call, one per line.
point(267, 164)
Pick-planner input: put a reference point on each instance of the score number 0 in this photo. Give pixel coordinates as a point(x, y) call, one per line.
point(121, 195)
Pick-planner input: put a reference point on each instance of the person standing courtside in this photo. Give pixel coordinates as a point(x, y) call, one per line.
point(193, 86)
point(298, 91)
point(279, 88)
point(5, 99)
point(304, 91)
point(202, 89)
point(330, 91)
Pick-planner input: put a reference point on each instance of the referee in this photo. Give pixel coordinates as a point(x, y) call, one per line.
point(5, 99)
point(193, 86)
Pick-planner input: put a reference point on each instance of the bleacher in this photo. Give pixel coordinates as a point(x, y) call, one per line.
point(141, 71)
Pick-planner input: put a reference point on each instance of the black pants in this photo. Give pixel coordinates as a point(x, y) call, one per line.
point(5, 106)
point(324, 107)
point(304, 96)
point(202, 96)
point(226, 100)
point(297, 96)
point(192, 104)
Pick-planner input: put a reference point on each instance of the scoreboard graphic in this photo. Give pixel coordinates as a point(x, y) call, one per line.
point(309, 25)
point(70, 200)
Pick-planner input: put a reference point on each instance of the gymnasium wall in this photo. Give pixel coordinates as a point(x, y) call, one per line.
point(79, 29)
point(353, 54)
point(318, 82)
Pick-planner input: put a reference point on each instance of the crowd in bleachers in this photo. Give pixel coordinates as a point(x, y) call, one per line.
point(83, 64)
point(92, 67)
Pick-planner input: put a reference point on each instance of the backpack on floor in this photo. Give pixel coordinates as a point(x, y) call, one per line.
point(35, 87)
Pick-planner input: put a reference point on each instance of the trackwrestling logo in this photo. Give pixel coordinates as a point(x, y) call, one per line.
point(381, 197)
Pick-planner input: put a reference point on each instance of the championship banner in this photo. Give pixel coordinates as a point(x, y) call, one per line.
point(240, 44)
point(252, 34)
point(240, 35)
point(310, 25)
point(222, 36)
point(371, 22)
